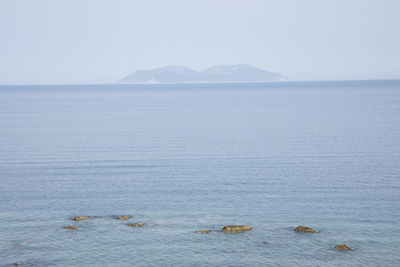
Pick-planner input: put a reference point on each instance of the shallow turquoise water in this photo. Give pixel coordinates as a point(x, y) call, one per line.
point(187, 157)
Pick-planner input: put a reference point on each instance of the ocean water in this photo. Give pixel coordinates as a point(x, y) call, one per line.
point(186, 157)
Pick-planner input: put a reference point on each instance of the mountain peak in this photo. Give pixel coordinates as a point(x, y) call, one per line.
point(219, 73)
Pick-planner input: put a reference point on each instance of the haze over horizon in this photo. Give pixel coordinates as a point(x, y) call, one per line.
point(78, 42)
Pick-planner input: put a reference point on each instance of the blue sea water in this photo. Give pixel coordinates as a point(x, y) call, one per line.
point(186, 157)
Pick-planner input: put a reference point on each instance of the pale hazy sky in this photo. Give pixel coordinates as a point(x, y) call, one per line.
point(101, 41)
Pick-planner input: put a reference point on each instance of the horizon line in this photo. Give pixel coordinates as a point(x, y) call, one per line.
point(198, 83)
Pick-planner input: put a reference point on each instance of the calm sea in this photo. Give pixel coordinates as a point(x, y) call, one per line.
point(186, 157)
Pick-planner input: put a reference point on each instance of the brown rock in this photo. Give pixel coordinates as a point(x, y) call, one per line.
point(78, 218)
point(124, 217)
point(205, 231)
point(72, 227)
point(236, 228)
point(136, 224)
point(304, 229)
point(343, 247)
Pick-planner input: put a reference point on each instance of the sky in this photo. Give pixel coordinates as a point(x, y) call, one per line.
point(101, 41)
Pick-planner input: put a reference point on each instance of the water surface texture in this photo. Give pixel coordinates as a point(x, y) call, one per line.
point(187, 157)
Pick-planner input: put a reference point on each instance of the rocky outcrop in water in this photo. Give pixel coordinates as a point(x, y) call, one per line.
point(236, 228)
point(304, 229)
point(71, 227)
point(343, 247)
point(136, 224)
point(79, 218)
point(205, 231)
point(124, 217)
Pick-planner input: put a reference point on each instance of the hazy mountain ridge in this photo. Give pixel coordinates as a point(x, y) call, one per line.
point(220, 73)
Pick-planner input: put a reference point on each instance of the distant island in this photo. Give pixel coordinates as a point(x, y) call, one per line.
point(215, 74)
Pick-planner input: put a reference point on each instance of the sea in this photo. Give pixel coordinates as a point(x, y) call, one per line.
point(186, 157)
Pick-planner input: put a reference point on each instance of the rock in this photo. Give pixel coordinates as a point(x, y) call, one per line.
point(72, 227)
point(78, 218)
point(205, 231)
point(124, 217)
point(304, 229)
point(136, 224)
point(18, 264)
point(236, 228)
point(343, 247)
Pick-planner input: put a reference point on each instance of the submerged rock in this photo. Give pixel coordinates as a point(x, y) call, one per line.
point(72, 227)
point(136, 224)
point(343, 247)
point(236, 228)
point(78, 218)
point(304, 229)
point(18, 264)
point(205, 231)
point(123, 217)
